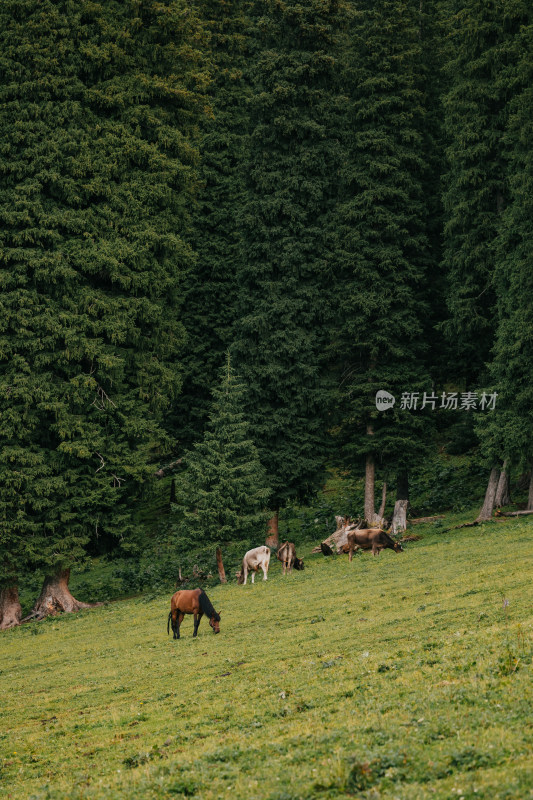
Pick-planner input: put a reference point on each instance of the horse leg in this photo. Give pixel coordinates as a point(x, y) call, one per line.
point(197, 618)
point(173, 622)
point(178, 623)
point(264, 572)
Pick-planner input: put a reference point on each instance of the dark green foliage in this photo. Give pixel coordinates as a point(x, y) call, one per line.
point(286, 266)
point(475, 193)
point(385, 255)
point(97, 169)
point(510, 434)
point(211, 287)
point(280, 197)
point(222, 494)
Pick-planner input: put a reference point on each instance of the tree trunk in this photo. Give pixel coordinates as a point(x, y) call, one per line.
point(56, 597)
point(399, 518)
point(379, 519)
point(530, 497)
point(502, 492)
point(220, 565)
point(369, 490)
point(490, 495)
point(10, 609)
point(272, 539)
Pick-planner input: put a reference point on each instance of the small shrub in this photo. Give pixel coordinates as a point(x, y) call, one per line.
point(186, 786)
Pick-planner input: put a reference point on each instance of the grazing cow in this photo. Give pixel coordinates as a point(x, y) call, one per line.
point(372, 539)
point(289, 559)
point(253, 560)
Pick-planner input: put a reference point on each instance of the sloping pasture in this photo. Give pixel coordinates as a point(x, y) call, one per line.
point(405, 676)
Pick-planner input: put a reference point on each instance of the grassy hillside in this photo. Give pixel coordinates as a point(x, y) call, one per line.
point(405, 676)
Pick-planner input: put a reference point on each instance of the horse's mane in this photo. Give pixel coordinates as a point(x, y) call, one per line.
point(207, 606)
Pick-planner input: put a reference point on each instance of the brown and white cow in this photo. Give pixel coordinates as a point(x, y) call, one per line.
point(287, 555)
point(372, 539)
point(253, 560)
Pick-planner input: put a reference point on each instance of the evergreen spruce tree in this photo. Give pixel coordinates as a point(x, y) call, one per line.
point(508, 433)
point(211, 287)
point(385, 254)
point(475, 193)
point(99, 106)
point(285, 271)
point(222, 494)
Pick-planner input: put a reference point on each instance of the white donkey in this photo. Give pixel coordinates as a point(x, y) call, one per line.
point(254, 559)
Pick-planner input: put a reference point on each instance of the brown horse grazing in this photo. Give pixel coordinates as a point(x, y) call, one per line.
point(191, 601)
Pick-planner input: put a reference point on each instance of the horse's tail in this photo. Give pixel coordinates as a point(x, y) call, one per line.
point(207, 606)
point(168, 622)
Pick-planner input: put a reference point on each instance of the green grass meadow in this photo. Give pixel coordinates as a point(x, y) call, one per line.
point(403, 676)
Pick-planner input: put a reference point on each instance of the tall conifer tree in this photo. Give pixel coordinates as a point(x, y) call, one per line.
point(222, 495)
point(475, 194)
point(286, 259)
point(385, 255)
point(509, 434)
point(211, 288)
point(99, 104)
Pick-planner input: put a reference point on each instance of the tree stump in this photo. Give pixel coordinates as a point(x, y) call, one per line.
point(55, 597)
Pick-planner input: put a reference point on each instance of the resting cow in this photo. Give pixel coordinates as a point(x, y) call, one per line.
point(372, 539)
point(287, 555)
point(254, 559)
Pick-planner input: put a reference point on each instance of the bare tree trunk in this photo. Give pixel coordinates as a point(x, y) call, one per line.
point(56, 597)
point(379, 519)
point(488, 505)
point(369, 490)
point(530, 496)
point(220, 565)
point(10, 609)
point(399, 518)
point(502, 492)
point(272, 539)
point(370, 480)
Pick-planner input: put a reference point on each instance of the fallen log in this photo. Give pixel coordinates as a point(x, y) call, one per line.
point(513, 513)
point(337, 540)
point(420, 520)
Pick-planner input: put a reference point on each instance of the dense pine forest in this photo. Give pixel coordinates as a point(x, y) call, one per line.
point(251, 249)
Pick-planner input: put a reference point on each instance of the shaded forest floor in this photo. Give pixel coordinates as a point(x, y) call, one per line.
point(404, 676)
